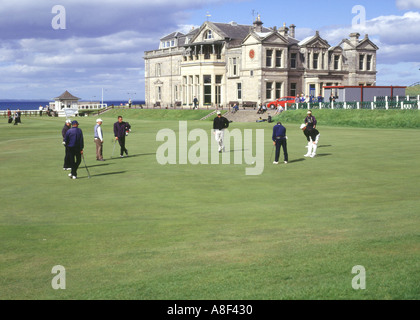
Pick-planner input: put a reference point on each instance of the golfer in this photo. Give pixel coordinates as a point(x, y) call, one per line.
point(74, 142)
point(99, 140)
point(280, 140)
point(67, 126)
point(313, 139)
point(17, 117)
point(219, 125)
point(120, 133)
point(310, 121)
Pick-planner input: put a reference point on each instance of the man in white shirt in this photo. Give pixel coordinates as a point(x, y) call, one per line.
point(99, 140)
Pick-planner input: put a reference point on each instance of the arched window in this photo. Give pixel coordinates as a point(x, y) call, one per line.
point(208, 35)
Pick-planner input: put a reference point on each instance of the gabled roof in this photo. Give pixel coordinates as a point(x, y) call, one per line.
point(338, 47)
point(359, 44)
point(366, 40)
point(263, 36)
point(309, 40)
point(67, 96)
point(231, 31)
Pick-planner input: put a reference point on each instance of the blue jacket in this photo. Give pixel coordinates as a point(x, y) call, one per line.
point(74, 138)
point(279, 131)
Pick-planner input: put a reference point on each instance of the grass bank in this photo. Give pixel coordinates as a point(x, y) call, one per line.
point(157, 114)
point(357, 118)
point(413, 91)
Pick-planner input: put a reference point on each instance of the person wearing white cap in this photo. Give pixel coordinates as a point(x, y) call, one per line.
point(310, 121)
point(313, 138)
point(99, 140)
point(67, 126)
point(219, 125)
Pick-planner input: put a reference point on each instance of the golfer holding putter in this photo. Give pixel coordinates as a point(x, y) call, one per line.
point(120, 132)
point(280, 140)
point(219, 125)
point(75, 144)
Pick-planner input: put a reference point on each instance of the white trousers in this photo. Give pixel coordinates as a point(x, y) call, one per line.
point(219, 135)
point(312, 147)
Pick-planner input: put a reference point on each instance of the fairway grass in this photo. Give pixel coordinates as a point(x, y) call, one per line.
point(140, 230)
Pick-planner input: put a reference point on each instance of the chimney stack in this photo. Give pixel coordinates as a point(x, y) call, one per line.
point(284, 31)
point(354, 38)
point(258, 24)
point(292, 29)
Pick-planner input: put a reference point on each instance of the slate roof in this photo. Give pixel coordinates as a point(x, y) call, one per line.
point(172, 36)
point(236, 31)
point(67, 96)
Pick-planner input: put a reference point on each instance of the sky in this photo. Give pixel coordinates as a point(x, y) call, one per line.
point(95, 48)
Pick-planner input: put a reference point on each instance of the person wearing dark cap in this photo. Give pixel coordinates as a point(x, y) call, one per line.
point(280, 140)
point(219, 125)
point(74, 142)
point(67, 126)
point(120, 128)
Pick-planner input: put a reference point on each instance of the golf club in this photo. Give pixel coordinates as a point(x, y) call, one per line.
point(272, 150)
point(83, 156)
point(115, 141)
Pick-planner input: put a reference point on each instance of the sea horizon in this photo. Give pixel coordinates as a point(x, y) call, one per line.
point(33, 104)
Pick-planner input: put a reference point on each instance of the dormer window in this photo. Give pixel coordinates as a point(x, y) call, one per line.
point(168, 44)
point(208, 35)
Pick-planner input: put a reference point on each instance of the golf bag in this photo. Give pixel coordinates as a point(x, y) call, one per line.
point(270, 119)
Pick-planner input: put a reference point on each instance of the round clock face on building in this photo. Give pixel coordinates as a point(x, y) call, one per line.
point(252, 54)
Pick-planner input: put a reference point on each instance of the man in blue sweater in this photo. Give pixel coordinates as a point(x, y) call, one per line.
point(75, 144)
point(280, 140)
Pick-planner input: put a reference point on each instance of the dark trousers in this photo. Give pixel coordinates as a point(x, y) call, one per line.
point(121, 141)
point(74, 159)
point(282, 142)
point(66, 159)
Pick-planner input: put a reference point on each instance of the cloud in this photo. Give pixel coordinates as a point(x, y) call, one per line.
point(408, 4)
point(93, 18)
point(396, 36)
point(103, 40)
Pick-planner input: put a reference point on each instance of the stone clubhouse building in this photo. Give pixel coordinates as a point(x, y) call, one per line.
point(223, 63)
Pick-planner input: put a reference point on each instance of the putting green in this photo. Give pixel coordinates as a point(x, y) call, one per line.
point(141, 230)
